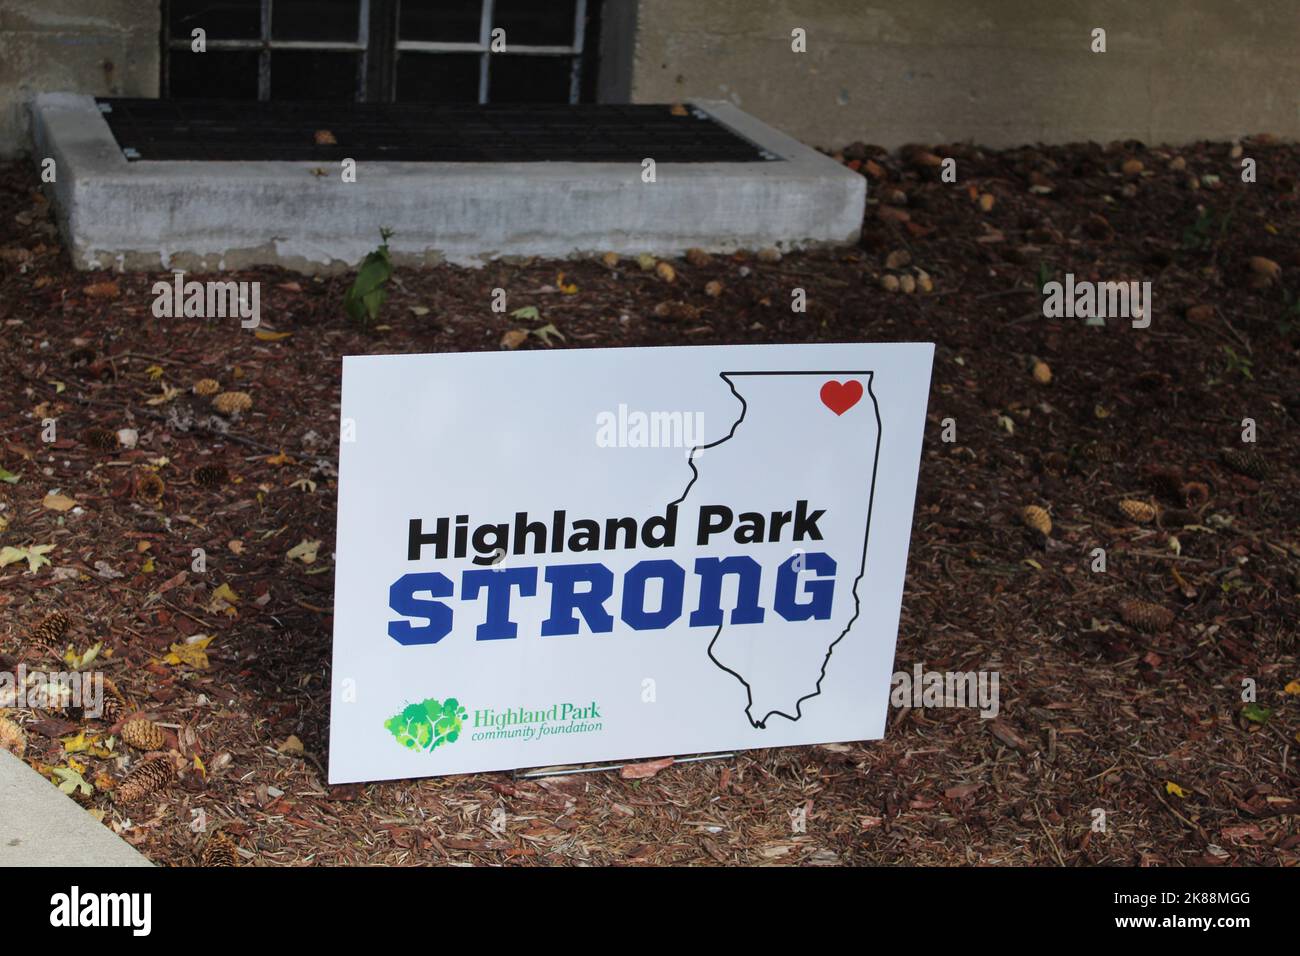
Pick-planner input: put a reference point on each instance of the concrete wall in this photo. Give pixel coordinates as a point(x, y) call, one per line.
point(997, 72)
point(100, 47)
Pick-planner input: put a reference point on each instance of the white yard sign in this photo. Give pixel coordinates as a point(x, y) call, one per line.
point(589, 555)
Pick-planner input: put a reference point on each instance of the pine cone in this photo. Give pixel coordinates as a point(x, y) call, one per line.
point(220, 850)
point(100, 438)
point(1195, 494)
point(1248, 463)
point(211, 476)
point(147, 777)
point(114, 705)
point(149, 486)
point(143, 734)
point(1137, 511)
point(12, 737)
point(1168, 482)
point(1036, 518)
point(113, 708)
point(232, 403)
point(206, 387)
point(52, 628)
point(1144, 615)
point(1055, 463)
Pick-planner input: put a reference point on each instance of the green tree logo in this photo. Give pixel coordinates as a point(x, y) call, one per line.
point(427, 725)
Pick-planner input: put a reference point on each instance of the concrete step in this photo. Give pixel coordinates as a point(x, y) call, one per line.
point(40, 826)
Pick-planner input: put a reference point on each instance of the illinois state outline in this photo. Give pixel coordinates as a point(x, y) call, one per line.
point(814, 437)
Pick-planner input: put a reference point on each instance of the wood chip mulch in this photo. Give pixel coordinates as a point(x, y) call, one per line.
point(1121, 691)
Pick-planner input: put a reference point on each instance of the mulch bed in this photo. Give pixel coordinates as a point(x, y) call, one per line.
point(1148, 725)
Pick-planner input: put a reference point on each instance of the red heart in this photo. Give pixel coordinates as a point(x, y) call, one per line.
point(839, 397)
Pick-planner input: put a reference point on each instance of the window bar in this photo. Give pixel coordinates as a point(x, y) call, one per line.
point(264, 58)
point(485, 41)
point(575, 68)
point(363, 38)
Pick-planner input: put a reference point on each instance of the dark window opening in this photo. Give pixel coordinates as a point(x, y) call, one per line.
point(383, 51)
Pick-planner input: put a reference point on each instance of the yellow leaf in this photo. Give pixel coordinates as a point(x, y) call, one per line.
point(56, 502)
point(192, 653)
point(280, 459)
point(198, 765)
point(59, 387)
point(81, 661)
point(168, 393)
point(1174, 790)
point(222, 598)
point(154, 372)
point(569, 289)
point(81, 744)
point(147, 568)
point(266, 335)
point(1292, 688)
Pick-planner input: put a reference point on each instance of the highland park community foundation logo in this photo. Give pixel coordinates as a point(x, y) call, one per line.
point(427, 725)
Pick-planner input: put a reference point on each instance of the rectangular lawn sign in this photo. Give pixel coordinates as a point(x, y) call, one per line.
point(613, 554)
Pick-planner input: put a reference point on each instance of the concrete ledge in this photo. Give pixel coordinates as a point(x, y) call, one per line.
point(39, 826)
point(209, 216)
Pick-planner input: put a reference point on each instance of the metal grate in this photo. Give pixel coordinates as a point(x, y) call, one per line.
point(251, 131)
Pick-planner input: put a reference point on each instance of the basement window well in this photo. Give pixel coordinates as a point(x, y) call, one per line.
point(330, 132)
point(210, 185)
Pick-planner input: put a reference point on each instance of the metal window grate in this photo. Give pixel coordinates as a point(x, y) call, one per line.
point(378, 43)
point(252, 131)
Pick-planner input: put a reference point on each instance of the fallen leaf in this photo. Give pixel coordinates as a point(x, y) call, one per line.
point(192, 653)
point(80, 662)
point(545, 332)
point(106, 571)
point(266, 335)
point(278, 460)
point(58, 502)
point(71, 780)
point(305, 551)
point(1256, 714)
point(527, 312)
point(223, 598)
point(8, 476)
point(292, 745)
point(1174, 790)
point(34, 556)
point(514, 338)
